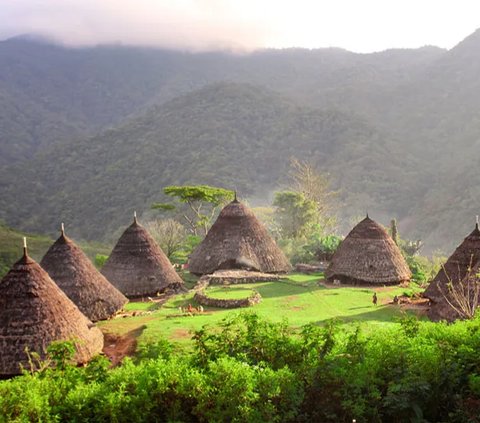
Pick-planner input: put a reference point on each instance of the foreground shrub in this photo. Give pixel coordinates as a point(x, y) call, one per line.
point(252, 370)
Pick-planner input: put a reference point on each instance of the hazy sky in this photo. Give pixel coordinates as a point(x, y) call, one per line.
point(357, 25)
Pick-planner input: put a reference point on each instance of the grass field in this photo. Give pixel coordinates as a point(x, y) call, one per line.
point(230, 292)
point(299, 298)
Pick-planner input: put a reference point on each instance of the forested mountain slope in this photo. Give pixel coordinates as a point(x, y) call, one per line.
point(58, 92)
point(235, 135)
point(89, 133)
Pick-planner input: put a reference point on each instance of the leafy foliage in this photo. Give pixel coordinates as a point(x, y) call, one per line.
point(219, 121)
point(202, 201)
point(201, 193)
point(100, 260)
point(307, 179)
point(295, 213)
point(254, 370)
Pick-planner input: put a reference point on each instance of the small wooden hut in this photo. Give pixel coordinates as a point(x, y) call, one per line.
point(237, 240)
point(461, 265)
point(368, 256)
point(34, 311)
point(138, 267)
point(75, 274)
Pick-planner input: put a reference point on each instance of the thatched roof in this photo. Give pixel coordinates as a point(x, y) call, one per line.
point(368, 255)
point(441, 309)
point(463, 258)
point(137, 265)
point(34, 311)
point(457, 267)
point(237, 240)
point(74, 273)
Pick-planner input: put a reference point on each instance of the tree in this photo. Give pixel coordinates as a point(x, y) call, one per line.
point(411, 248)
point(294, 212)
point(307, 179)
point(201, 203)
point(169, 234)
point(394, 230)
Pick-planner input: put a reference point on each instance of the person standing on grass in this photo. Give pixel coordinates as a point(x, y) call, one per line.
point(374, 299)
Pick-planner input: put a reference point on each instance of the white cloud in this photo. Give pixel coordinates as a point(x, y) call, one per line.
point(367, 25)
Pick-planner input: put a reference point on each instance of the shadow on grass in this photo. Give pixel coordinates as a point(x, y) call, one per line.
point(381, 314)
point(281, 289)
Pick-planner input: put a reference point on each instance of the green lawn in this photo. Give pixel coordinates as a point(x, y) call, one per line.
point(234, 292)
point(298, 298)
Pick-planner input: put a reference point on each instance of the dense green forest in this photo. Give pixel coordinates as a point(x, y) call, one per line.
point(236, 135)
point(89, 134)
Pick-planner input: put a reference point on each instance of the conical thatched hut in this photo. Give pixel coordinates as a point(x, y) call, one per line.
point(237, 240)
point(368, 256)
point(137, 266)
point(74, 273)
point(34, 311)
point(459, 266)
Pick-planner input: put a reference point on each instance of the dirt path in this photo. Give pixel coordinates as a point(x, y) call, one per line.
point(117, 347)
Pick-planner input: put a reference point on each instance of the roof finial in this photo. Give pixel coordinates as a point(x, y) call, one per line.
point(367, 215)
point(25, 253)
point(235, 195)
point(135, 216)
point(62, 228)
point(476, 218)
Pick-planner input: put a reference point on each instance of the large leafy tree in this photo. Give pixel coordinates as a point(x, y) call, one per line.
point(295, 213)
point(197, 204)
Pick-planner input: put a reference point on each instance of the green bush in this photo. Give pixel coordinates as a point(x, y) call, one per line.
point(312, 248)
point(252, 370)
point(100, 260)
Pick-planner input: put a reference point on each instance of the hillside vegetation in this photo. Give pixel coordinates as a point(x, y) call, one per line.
point(235, 134)
point(398, 130)
point(11, 243)
point(250, 369)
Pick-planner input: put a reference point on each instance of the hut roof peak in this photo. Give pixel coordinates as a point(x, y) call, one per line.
point(137, 266)
point(369, 229)
point(63, 237)
point(74, 273)
point(25, 257)
point(236, 240)
point(476, 232)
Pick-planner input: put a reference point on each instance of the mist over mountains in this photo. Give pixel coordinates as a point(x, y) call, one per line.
point(87, 135)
